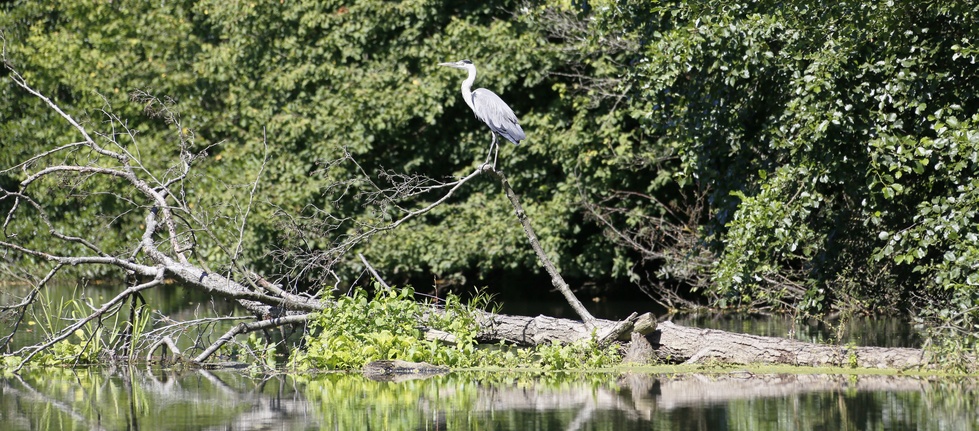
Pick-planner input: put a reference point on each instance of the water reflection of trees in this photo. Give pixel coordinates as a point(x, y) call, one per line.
point(137, 399)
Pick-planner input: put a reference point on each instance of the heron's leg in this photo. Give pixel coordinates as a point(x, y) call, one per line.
point(496, 152)
point(490, 154)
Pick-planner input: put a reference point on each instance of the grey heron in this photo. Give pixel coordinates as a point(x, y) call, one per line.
point(490, 109)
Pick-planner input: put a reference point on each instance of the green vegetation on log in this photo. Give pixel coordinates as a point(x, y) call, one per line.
point(359, 329)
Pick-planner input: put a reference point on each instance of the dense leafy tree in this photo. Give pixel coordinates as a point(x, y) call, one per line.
point(297, 85)
point(760, 152)
point(837, 140)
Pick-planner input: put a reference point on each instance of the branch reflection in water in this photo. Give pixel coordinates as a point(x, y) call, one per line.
point(115, 399)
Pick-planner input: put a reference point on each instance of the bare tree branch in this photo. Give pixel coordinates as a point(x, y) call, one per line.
point(20, 81)
point(556, 278)
point(243, 328)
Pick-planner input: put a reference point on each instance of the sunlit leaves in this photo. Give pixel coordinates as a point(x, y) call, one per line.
point(830, 134)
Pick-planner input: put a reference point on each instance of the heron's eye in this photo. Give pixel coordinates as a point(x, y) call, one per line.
point(466, 62)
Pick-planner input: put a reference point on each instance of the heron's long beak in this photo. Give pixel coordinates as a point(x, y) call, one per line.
point(454, 64)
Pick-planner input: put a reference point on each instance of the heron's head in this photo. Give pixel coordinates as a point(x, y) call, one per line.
point(461, 64)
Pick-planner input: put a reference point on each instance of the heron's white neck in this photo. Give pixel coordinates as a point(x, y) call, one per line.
point(467, 85)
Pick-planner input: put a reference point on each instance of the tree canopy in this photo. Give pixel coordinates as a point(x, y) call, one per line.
point(798, 154)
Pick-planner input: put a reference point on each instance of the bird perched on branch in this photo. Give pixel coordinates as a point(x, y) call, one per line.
point(490, 109)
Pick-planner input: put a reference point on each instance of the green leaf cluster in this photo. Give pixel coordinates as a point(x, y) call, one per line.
point(360, 328)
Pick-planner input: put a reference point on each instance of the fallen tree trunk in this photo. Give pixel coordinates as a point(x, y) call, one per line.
point(530, 331)
point(679, 344)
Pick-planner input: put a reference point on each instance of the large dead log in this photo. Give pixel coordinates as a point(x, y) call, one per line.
point(673, 343)
point(679, 344)
point(530, 331)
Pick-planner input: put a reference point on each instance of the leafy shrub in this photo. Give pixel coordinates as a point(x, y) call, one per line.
point(835, 140)
point(359, 329)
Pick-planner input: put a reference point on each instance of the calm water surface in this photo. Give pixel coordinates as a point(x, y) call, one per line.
point(127, 399)
point(140, 399)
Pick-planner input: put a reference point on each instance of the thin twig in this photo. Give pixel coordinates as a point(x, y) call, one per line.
point(251, 198)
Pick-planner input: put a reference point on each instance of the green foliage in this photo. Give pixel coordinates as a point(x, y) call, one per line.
point(852, 360)
point(320, 79)
point(940, 238)
point(582, 355)
point(835, 143)
point(359, 329)
point(949, 328)
point(830, 136)
point(10, 362)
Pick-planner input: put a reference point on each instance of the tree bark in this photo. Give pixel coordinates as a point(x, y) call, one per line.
point(531, 331)
point(679, 344)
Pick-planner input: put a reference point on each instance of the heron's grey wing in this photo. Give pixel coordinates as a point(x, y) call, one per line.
point(493, 111)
